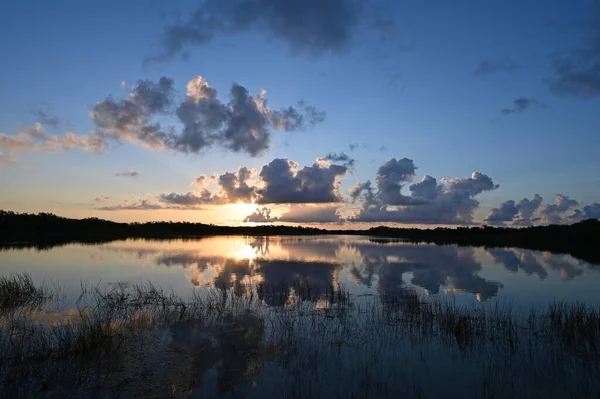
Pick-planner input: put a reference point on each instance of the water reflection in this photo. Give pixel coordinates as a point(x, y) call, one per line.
point(378, 266)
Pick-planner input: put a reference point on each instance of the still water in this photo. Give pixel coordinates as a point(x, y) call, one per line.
point(365, 266)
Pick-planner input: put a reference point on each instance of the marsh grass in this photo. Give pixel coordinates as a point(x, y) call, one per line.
point(18, 289)
point(299, 341)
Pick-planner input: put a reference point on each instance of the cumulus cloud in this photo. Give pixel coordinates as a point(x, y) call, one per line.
point(127, 173)
point(281, 181)
point(34, 138)
point(577, 70)
point(449, 202)
point(307, 27)
point(556, 213)
point(130, 119)
point(245, 124)
point(528, 212)
point(522, 104)
point(488, 67)
point(505, 213)
point(284, 183)
point(390, 178)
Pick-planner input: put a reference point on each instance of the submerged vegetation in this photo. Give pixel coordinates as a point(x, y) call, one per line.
point(126, 340)
point(44, 229)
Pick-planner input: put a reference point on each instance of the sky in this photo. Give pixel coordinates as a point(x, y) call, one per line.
point(343, 113)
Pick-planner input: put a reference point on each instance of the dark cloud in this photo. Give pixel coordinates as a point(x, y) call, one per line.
point(42, 115)
point(488, 67)
point(390, 177)
point(127, 173)
point(279, 182)
point(130, 119)
point(526, 210)
point(244, 124)
point(522, 104)
point(577, 71)
point(505, 213)
point(340, 157)
point(353, 146)
point(450, 202)
point(285, 184)
point(307, 27)
point(518, 214)
point(426, 189)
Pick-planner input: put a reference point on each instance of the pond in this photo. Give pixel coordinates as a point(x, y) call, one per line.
point(298, 317)
point(363, 265)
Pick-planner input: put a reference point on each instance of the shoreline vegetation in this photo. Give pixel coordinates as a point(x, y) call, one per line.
point(140, 340)
point(581, 240)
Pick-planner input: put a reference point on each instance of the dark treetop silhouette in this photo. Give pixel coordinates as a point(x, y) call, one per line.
point(581, 240)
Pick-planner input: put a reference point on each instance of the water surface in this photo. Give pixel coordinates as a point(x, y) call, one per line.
point(363, 265)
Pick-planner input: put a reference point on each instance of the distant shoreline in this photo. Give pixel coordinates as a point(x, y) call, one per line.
point(44, 230)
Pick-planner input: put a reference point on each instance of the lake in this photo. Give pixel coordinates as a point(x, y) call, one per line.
point(301, 317)
point(364, 265)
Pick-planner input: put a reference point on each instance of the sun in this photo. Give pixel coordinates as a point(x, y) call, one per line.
point(245, 209)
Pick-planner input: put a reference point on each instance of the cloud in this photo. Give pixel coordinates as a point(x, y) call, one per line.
point(34, 138)
point(556, 213)
point(340, 157)
point(449, 202)
point(488, 67)
point(297, 214)
point(261, 215)
point(130, 119)
point(312, 214)
point(528, 212)
point(101, 198)
point(245, 124)
point(522, 104)
point(145, 204)
point(307, 27)
point(127, 173)
point(505, 213)
point(390, 177)
point(280, 181)
point(43, 116)
point(233, 188)
point(284, 183)
point(577, 70)
point(353, 146)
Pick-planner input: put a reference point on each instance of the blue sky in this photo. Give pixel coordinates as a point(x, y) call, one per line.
point(415, 93)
